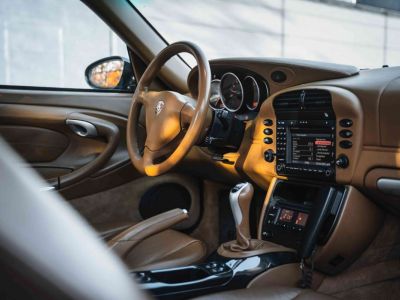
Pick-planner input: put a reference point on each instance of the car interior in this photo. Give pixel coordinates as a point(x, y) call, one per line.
point(257, 178)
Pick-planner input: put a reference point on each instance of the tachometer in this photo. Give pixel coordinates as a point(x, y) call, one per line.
point(231, 92)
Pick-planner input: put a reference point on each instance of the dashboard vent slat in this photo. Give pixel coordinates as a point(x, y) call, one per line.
point(308, 99)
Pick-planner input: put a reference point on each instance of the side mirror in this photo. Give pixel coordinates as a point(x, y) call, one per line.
point(111, 73)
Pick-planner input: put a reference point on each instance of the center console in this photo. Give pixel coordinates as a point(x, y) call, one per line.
point(308, 213)
point(219, 274)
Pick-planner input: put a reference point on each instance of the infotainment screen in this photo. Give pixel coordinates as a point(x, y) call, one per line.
point(306, 148)
point(311, 148)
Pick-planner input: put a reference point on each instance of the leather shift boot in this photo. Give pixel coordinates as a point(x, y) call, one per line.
point(256, 247)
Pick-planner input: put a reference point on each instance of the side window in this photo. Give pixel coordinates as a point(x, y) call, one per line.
point(50, 43)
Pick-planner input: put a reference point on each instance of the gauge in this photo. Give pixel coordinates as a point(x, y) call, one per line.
point(215, 94)
point(251, 93)
point(231, 92)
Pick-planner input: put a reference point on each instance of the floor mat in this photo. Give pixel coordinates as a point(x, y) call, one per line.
point(387, 290)
point(376, 274)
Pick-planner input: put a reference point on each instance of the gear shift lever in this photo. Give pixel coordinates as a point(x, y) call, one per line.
point(240, 198)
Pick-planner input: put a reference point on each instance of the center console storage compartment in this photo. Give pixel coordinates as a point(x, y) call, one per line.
point(298, 215)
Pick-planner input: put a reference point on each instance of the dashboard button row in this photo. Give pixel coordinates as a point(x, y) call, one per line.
point(268, 131)
point(345, 133)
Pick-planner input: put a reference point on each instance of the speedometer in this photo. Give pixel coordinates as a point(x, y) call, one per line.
point(231, 92)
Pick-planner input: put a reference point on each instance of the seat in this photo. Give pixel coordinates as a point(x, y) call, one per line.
point(167, 249)
point(151, 244)
point(269, 293)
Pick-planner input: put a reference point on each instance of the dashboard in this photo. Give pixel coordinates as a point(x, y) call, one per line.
point(314, 122)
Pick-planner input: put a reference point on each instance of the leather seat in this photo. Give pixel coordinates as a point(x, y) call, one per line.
point(150, 244)
point(166, 249)
point(270, 293)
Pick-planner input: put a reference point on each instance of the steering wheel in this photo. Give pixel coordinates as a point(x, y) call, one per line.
point(174, 122)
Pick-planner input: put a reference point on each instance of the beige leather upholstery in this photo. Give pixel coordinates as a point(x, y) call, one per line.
point(166, 249)
point(124, 242)
point(256, 247)
point(270, 293)
point(150, 244)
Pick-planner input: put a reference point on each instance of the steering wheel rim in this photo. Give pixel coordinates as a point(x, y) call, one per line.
point(162, 112)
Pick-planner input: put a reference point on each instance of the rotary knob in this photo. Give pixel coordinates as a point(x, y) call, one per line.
point(269, 155)
point(342, 161)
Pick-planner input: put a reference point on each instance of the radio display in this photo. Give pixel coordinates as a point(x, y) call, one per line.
point(311, 148)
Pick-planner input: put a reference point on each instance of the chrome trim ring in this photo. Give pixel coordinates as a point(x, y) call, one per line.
point(258, 92)
point(222, 95)
point(219, 87)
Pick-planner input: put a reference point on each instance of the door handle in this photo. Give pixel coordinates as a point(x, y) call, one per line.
point(88, 126)
point(82, 128)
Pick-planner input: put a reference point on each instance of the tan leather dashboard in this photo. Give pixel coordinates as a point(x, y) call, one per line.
point(370, 98)
point(297, 71)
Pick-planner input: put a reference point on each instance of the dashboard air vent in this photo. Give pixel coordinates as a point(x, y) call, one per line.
point(310, 99)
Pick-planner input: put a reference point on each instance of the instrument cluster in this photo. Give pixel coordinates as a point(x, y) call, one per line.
point(239, 93)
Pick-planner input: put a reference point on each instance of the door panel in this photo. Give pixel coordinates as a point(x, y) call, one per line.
point(34, 122)
point(110, 102)
point(59, 145)
point(111, 210)
point(35, 144)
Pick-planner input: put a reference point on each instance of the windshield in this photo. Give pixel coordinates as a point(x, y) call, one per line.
point(330, 31)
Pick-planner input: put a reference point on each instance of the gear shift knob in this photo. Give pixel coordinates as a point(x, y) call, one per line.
point(240, 198)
